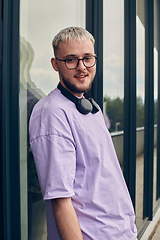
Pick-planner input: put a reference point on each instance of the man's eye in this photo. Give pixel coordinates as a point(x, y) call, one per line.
point(89, 58)
point(70, 60)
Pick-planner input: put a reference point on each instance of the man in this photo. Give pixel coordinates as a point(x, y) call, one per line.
point(80, 177)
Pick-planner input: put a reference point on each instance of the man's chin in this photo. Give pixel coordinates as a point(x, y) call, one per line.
point(84, 88)
point(79, 88)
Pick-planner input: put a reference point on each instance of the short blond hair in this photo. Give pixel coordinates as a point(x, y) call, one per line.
point(71, 33)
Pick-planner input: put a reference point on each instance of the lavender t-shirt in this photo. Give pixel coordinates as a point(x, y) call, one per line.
point(75, 157)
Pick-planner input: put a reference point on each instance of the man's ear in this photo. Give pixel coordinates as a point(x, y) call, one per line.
point(54, 64)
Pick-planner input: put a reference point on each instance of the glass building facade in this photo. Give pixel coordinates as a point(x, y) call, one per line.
point(126, 86)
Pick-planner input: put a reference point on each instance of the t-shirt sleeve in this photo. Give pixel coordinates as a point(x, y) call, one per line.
point(54, 154)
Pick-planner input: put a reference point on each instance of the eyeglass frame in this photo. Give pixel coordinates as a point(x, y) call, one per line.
point(64, 60)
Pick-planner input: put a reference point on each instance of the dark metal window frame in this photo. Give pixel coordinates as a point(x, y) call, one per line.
point(149, 110)
point(9, 128)
point(129, 155)
point(94, 24)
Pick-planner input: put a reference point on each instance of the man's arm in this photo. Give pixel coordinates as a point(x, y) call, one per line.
point(66, 219)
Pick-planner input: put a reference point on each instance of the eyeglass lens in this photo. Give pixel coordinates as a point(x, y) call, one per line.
point(73, 62)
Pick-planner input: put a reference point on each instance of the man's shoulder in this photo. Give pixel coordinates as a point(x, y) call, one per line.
point(57, 110)
point(51, 103)
point(50, 114)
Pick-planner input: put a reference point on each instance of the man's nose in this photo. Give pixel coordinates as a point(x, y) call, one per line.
point(80, 65)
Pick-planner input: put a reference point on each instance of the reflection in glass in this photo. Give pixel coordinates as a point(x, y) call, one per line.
point(113, 71)
point(155, 126)
point(37, 78)
point(29, 95)
point(156, 72)
point(140, 53)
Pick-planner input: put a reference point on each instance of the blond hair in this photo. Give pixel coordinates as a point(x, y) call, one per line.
point(71, 33)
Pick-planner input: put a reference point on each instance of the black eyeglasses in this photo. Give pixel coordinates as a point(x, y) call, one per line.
point(73, 62)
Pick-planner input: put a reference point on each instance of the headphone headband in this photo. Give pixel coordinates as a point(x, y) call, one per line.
point(83, 105)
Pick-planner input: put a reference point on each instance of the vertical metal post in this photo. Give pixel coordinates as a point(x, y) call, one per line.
point(94, 24)
point(129, 159)
point(10, 192)
point(149, 110)
point(1, 172)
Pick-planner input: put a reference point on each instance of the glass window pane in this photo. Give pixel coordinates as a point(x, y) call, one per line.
point(156, 24)
point(39, 22)
point(113, 73)
point(155, 126)
point(140, 112)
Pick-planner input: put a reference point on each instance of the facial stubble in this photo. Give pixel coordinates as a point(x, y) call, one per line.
point(72, 87)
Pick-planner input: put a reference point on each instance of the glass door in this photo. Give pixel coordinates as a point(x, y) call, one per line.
point(39, 22)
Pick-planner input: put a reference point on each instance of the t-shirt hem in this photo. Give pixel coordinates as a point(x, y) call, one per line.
point(45, 198)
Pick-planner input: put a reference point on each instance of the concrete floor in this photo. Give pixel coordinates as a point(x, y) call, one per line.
point(155, 235)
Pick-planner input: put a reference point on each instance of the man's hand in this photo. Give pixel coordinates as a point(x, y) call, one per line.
point(66, 219)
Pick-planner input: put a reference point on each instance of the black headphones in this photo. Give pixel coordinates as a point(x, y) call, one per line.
point(83, 105)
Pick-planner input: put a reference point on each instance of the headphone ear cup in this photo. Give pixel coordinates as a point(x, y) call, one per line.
point(95, 106)
point(84, 106)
